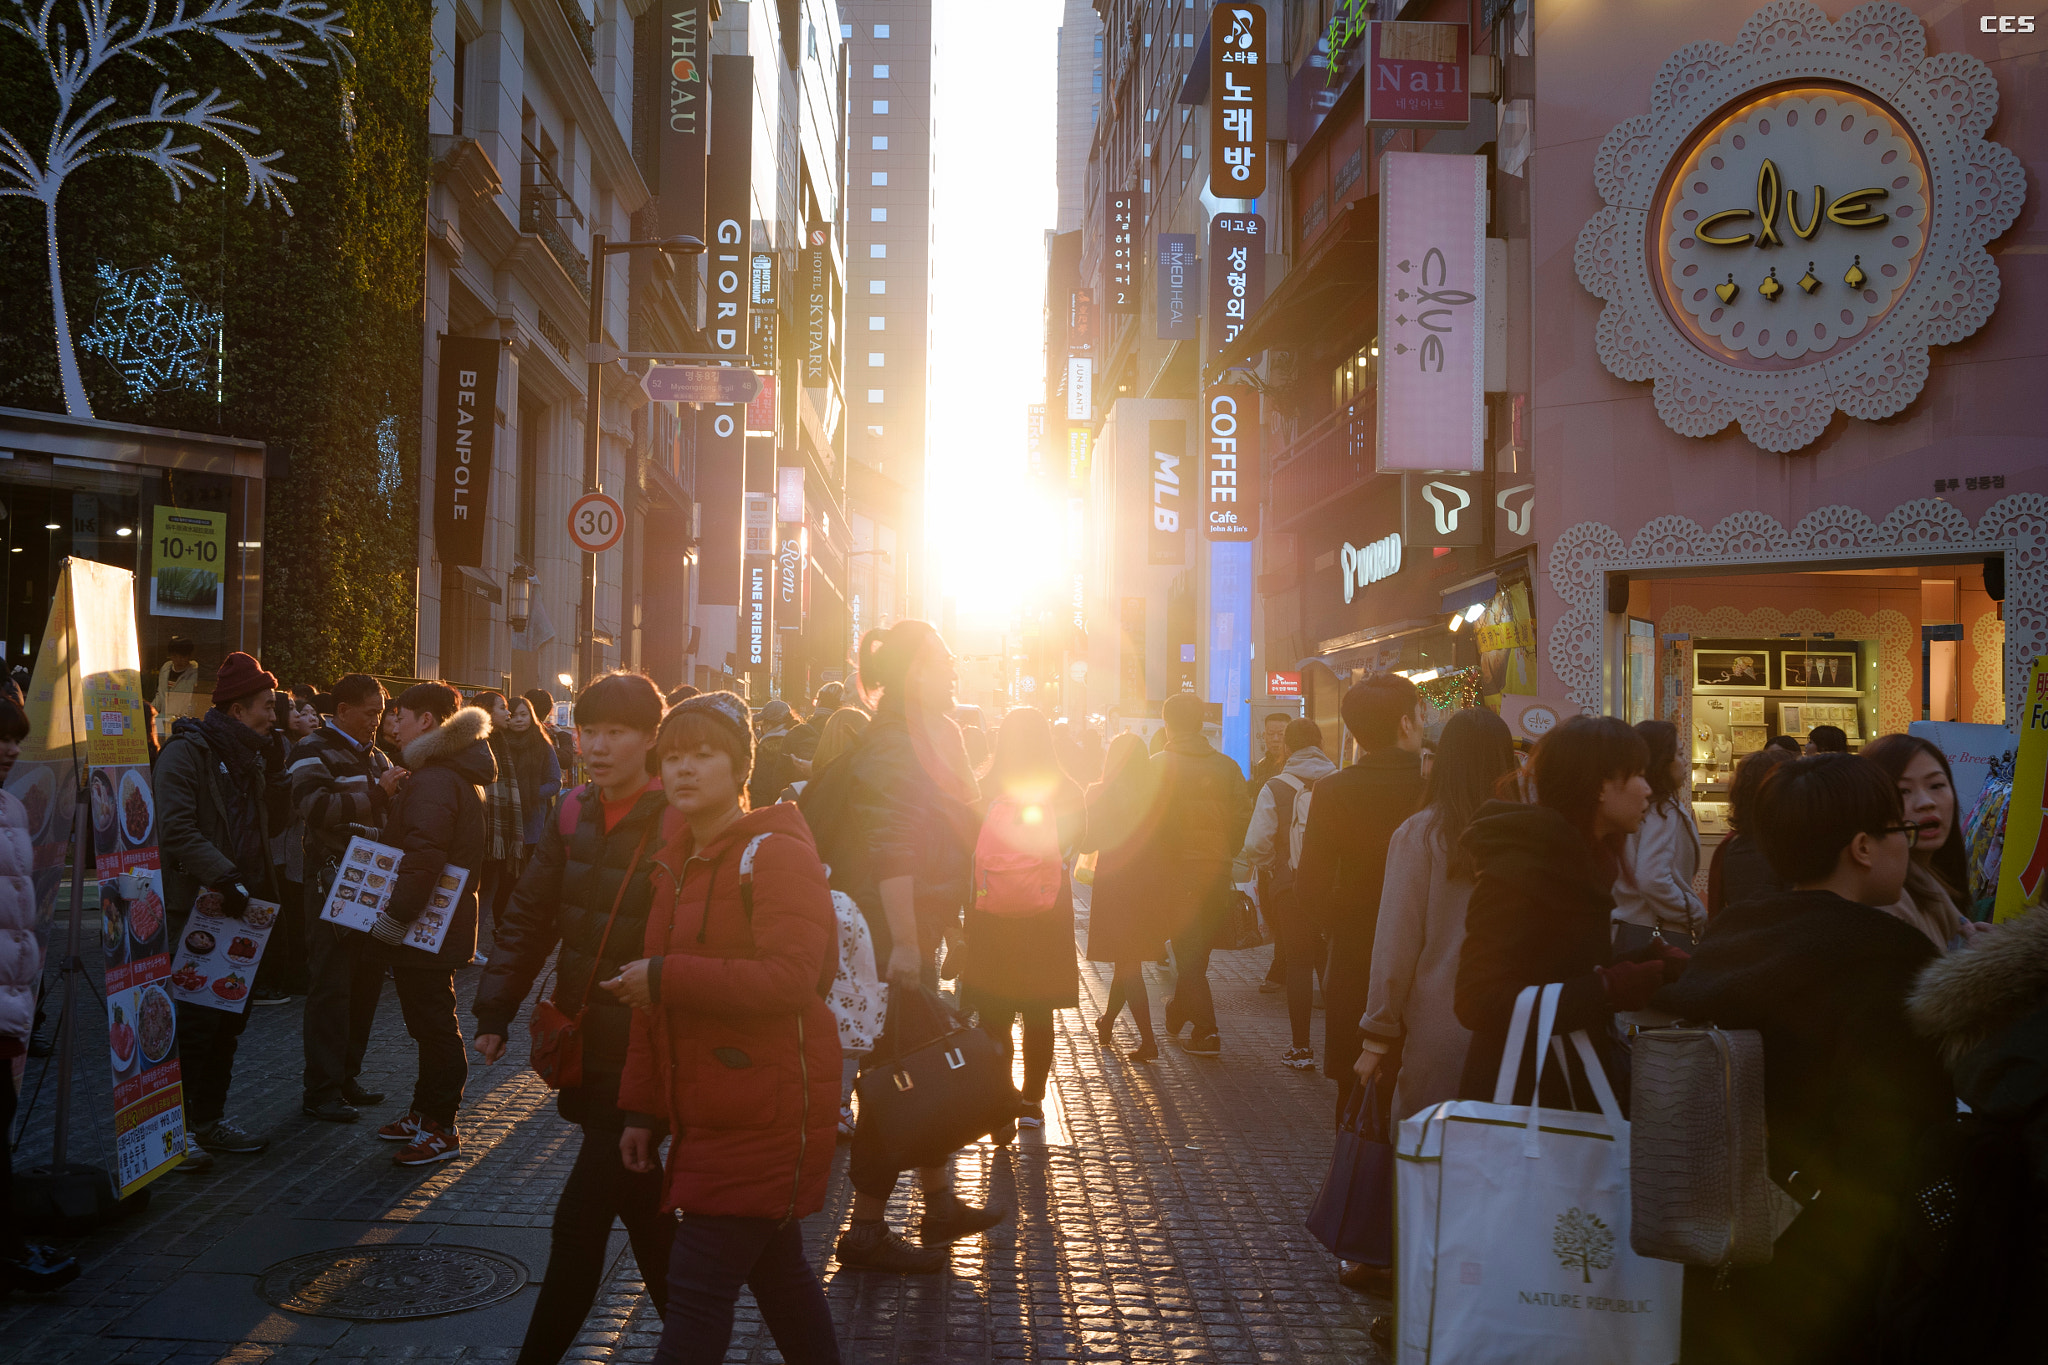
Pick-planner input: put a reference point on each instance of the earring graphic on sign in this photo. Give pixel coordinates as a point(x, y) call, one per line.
point(1446, 516)
point(1518, 517)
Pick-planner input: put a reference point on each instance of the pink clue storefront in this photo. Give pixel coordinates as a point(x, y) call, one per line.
point(1790, 405)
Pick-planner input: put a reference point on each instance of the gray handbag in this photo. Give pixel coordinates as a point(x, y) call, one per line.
point(1699, 1189)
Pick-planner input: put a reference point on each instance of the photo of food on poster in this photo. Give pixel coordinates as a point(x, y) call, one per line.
point(186, 555)
point(363, 887)
point(216, 957)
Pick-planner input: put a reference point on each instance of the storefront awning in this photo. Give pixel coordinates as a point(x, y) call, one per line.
point(1470, 594)
point(1339, 265)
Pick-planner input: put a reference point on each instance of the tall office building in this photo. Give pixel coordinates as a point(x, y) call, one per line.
point(890, 58)
point(1080, 101)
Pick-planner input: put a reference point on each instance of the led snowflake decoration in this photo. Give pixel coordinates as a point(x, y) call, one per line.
point(1856, 332)
point(150, 329)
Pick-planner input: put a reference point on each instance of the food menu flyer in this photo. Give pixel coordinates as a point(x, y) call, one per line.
point(142, 1022)
point(217, 956)
point(369, 874)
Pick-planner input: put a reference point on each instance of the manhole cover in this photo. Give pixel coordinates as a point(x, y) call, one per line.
point(388, 1283)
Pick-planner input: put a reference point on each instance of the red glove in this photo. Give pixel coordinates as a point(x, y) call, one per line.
point(1631, 984)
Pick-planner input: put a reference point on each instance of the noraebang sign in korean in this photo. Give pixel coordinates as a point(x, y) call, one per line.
point(1432, 366)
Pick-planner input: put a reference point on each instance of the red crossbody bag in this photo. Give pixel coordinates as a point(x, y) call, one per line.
point(557, 1037)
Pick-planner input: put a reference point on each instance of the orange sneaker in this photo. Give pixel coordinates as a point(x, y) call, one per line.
point(431, 1143)
point(405, 1128)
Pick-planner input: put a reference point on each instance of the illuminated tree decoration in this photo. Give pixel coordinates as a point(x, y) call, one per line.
point(84, 42)
point(151, 330)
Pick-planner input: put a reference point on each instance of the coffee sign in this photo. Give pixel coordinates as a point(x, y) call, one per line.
point(1798, 218)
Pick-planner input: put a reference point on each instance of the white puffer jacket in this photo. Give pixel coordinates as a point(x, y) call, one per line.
point(21, 957)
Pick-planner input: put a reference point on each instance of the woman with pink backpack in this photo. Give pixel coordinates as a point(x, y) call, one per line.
point(1020, 918)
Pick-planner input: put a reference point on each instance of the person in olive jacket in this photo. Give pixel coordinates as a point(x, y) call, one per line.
point(1204, 809)
point(587, 891)
point(437, 819)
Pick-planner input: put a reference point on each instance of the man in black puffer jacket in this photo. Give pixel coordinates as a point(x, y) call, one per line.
point(588, 890)
point(437, 819)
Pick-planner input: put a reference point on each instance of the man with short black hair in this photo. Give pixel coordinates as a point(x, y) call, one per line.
point(1827, 739)
point(1273, 732)
point(341, 786)
point(177, 686)
point(1270, 846)
point(213, 832)
point(1204, 809)
point(1344, 853)
point(562, 737)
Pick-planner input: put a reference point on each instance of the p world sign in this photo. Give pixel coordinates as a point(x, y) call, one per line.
point(1230, 464)
point(1432, 370)
point(1364, 566)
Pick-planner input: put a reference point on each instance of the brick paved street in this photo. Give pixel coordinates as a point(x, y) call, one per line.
point(1159, 1218)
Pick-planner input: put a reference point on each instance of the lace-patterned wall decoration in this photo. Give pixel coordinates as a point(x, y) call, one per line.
point(1987, 638)
point(1926, 528)
point(1798, 218)
point(1892, 630)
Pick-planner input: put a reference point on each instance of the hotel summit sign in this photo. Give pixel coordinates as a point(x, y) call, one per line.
point(1796, 220)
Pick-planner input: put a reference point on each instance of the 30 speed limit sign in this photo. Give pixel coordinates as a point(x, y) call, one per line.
point(596, 522)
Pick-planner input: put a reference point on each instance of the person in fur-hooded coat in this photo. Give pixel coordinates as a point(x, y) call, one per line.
point(1972, 1288)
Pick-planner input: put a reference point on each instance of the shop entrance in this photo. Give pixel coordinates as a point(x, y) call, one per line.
point(42, 525)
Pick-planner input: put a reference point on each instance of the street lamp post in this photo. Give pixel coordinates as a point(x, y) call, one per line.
point(593, 655)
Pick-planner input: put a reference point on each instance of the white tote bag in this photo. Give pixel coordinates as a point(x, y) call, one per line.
point(1511, 1227)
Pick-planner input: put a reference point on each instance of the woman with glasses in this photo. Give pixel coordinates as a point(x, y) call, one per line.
point(1822, 971)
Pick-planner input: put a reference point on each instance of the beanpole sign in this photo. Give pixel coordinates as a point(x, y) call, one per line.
point(465, 429)
point(1230, 464)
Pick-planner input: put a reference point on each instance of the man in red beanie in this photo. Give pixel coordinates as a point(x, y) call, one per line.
point(214, 818)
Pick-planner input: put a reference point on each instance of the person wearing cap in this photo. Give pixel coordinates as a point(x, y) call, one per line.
point(214, 818)
point(774, 766)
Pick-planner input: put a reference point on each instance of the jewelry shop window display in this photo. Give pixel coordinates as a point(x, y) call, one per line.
point(1748, 692)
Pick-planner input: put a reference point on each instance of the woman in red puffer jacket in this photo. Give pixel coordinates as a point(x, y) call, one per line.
point(734, 1049)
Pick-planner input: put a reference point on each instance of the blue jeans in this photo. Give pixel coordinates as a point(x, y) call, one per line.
point(711, 1259)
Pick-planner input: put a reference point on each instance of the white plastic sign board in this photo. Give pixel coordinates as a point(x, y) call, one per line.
point(363, 887)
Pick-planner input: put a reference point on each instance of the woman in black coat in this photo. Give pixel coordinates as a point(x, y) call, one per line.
point(1023, 966)
point(437, 819)
point(1541, 903)
point(1851, 1094)
point(1126, 916)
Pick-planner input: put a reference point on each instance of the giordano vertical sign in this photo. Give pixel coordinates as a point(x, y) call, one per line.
point(1796, 221)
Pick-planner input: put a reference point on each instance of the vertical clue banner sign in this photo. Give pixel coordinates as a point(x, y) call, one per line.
point(1230, 464)
point(1237, 101)
point(721, 428)
point(1432, 370)
point(1177, 286)
point(1237, 274)
point(465, 430)
point(679, 58)
point(1120, 276)
point(1417, 76)
point(1166, 538)
point(815, 263)
point(187, 551)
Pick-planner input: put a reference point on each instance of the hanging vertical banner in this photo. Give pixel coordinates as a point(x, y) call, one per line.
point(1230, 646)
point(815, 263)
point(1130, 687)
point(1432, 369)
point(1081, 322)
point(465, 428)
point(1237, 101)
point(1237, 274)
point(1078, 444)
point(1080, 388)
point(757, 613)
point(792, 563)
point(678, 59)
point(764, 295)
point(789, 494)
point(1230, 464)
point(1177, 286)
point(1034, 439)
point(721, 428)
point(1120, 276)
point(1166, 540)
point(1417, 75)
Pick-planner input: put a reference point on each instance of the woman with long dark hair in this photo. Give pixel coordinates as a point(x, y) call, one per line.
point(898, 835)
point(1022, 965)
point(1430, 874)
point(1656, 899)
point(1939, 879)
point(1125, 928)
point(1541, 903)
point(1738, 871)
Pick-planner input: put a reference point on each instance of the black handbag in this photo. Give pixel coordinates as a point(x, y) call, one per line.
point(1241, 927)
point(934, 1085)
point(1353, 1216)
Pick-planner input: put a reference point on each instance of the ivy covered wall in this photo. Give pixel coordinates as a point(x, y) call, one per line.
point(322, 354)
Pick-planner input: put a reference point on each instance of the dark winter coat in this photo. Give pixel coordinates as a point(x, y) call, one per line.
point(564, 899)
point(1851, 1096)
point(334, 784)
point(539, 774)
point(215, 809)
point(1204, 806)
point(1025, 961)
point(1126, 919)
point(739, 1054)
point(1351, 820)
point(1739, 872)
point(437, 819)
point(1539, 913)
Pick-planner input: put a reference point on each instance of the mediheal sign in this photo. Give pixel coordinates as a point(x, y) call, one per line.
point(1432, 370)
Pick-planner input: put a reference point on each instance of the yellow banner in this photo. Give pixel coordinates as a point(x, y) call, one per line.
point(2023, 868)
point(1507, 635)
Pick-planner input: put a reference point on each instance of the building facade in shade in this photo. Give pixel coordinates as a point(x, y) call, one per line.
point(891, 62)
point(1079, 103)
point(553, 124)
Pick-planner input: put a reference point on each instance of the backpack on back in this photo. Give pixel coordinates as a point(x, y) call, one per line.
point(1017, 867)
point(857, 995)
point(1291, 797)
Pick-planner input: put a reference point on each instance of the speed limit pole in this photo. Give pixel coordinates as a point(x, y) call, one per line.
point(596, 522)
